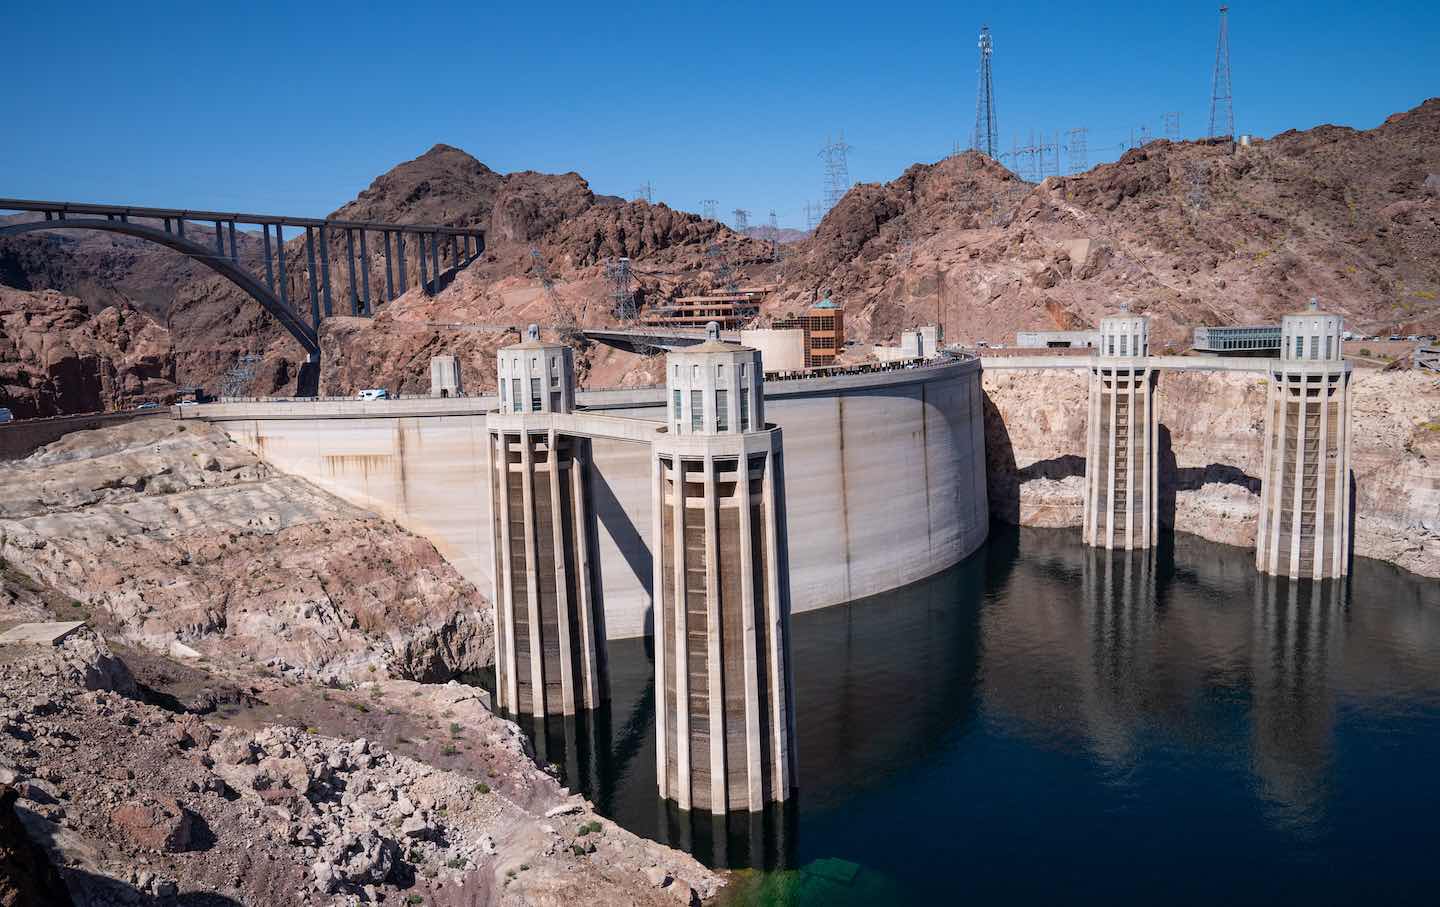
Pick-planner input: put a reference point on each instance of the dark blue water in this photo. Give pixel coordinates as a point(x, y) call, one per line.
point(1045, 723)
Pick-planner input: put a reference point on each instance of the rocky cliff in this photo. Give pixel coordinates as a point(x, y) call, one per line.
point(1211, 456)
point(57, 357)
point(171, 537)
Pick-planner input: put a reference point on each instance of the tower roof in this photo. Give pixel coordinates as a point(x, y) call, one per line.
point(532, 340)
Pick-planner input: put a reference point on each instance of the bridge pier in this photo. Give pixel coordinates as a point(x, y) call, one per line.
point(724, 715)
point(1305, 503)
point(549, 652)
point(1121, 455)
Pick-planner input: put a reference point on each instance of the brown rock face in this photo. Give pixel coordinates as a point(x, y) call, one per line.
point(157, 823)
point(27, 877)
point(168, 534)
point(1191, 233)
point(56, 357)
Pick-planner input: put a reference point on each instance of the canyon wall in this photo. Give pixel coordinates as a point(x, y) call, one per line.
point(1211, 453)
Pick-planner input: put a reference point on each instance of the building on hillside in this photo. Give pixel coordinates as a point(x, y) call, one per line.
point(1057, 339)
point(921, 343)
point(729, 310)
point(824, 327)
point(1238, 340)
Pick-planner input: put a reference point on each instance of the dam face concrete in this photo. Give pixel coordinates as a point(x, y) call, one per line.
point(884, 478)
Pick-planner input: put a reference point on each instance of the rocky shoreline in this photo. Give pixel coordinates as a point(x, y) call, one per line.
point(261, 709)
point(1211, 443)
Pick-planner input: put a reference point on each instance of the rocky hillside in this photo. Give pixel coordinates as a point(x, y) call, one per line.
point(115, 791)
point(1211, 428)
point(173, 538)
point(58, 357)
point(1190, 233)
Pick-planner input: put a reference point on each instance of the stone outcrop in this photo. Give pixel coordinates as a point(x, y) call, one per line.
point(174, 538)
point(57, 357)
point(1211, 449)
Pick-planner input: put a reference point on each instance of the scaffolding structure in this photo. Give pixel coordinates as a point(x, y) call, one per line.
point(622, 295)
point(240, 376)
point(987, 131)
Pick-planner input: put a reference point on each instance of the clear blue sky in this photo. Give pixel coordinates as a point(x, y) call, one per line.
point(294, 107)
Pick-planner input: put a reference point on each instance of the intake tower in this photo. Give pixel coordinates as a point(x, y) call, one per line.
point(548, 645)
point(1120, 454)
point(724, 721)
point(1304, 529)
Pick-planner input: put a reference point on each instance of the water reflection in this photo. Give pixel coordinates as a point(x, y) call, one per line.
point(1044, 694)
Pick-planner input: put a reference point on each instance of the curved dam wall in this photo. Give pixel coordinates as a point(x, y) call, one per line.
point(884, 478)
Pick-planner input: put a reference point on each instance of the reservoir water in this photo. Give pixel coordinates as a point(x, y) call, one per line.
point(1046, 723)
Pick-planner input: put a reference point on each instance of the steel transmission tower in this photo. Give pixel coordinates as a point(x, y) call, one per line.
point(708, 206)
point(1077, 152)
point(742, 220)
point(1172, 125)
point(1222, 112)
point(987, 131)
point(837, 170)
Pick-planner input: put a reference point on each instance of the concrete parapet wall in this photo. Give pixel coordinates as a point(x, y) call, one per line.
point(884, 477)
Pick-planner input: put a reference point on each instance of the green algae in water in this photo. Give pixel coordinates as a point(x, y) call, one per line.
point(827, 882)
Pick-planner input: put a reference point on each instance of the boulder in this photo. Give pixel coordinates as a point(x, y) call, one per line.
point(155, 823)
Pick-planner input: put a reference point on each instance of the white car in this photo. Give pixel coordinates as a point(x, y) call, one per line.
point(373, 393)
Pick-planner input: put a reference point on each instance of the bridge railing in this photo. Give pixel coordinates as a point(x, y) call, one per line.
point(269, 284)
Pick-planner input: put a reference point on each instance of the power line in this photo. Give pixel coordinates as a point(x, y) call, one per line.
point(1222, 111)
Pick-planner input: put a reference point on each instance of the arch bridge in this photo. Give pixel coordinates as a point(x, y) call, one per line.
point(220, 252)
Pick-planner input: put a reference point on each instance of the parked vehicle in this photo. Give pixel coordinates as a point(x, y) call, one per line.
point(374, 393)
point(149, 405)
point(6, 415)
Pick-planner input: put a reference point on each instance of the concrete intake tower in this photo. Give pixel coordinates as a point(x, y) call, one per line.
point(1304, 528)
point(1121, 440)
point(548, 635)
point(724, 716)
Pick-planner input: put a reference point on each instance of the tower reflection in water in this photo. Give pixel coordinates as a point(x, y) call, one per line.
point(1175, 682)
point(608, 756)
point(1299, 643)
point(1150, 653)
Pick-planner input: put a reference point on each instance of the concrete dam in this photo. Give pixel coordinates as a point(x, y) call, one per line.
point(884, 477)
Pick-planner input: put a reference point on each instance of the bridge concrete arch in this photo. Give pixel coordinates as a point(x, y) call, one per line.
point(225, 267)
